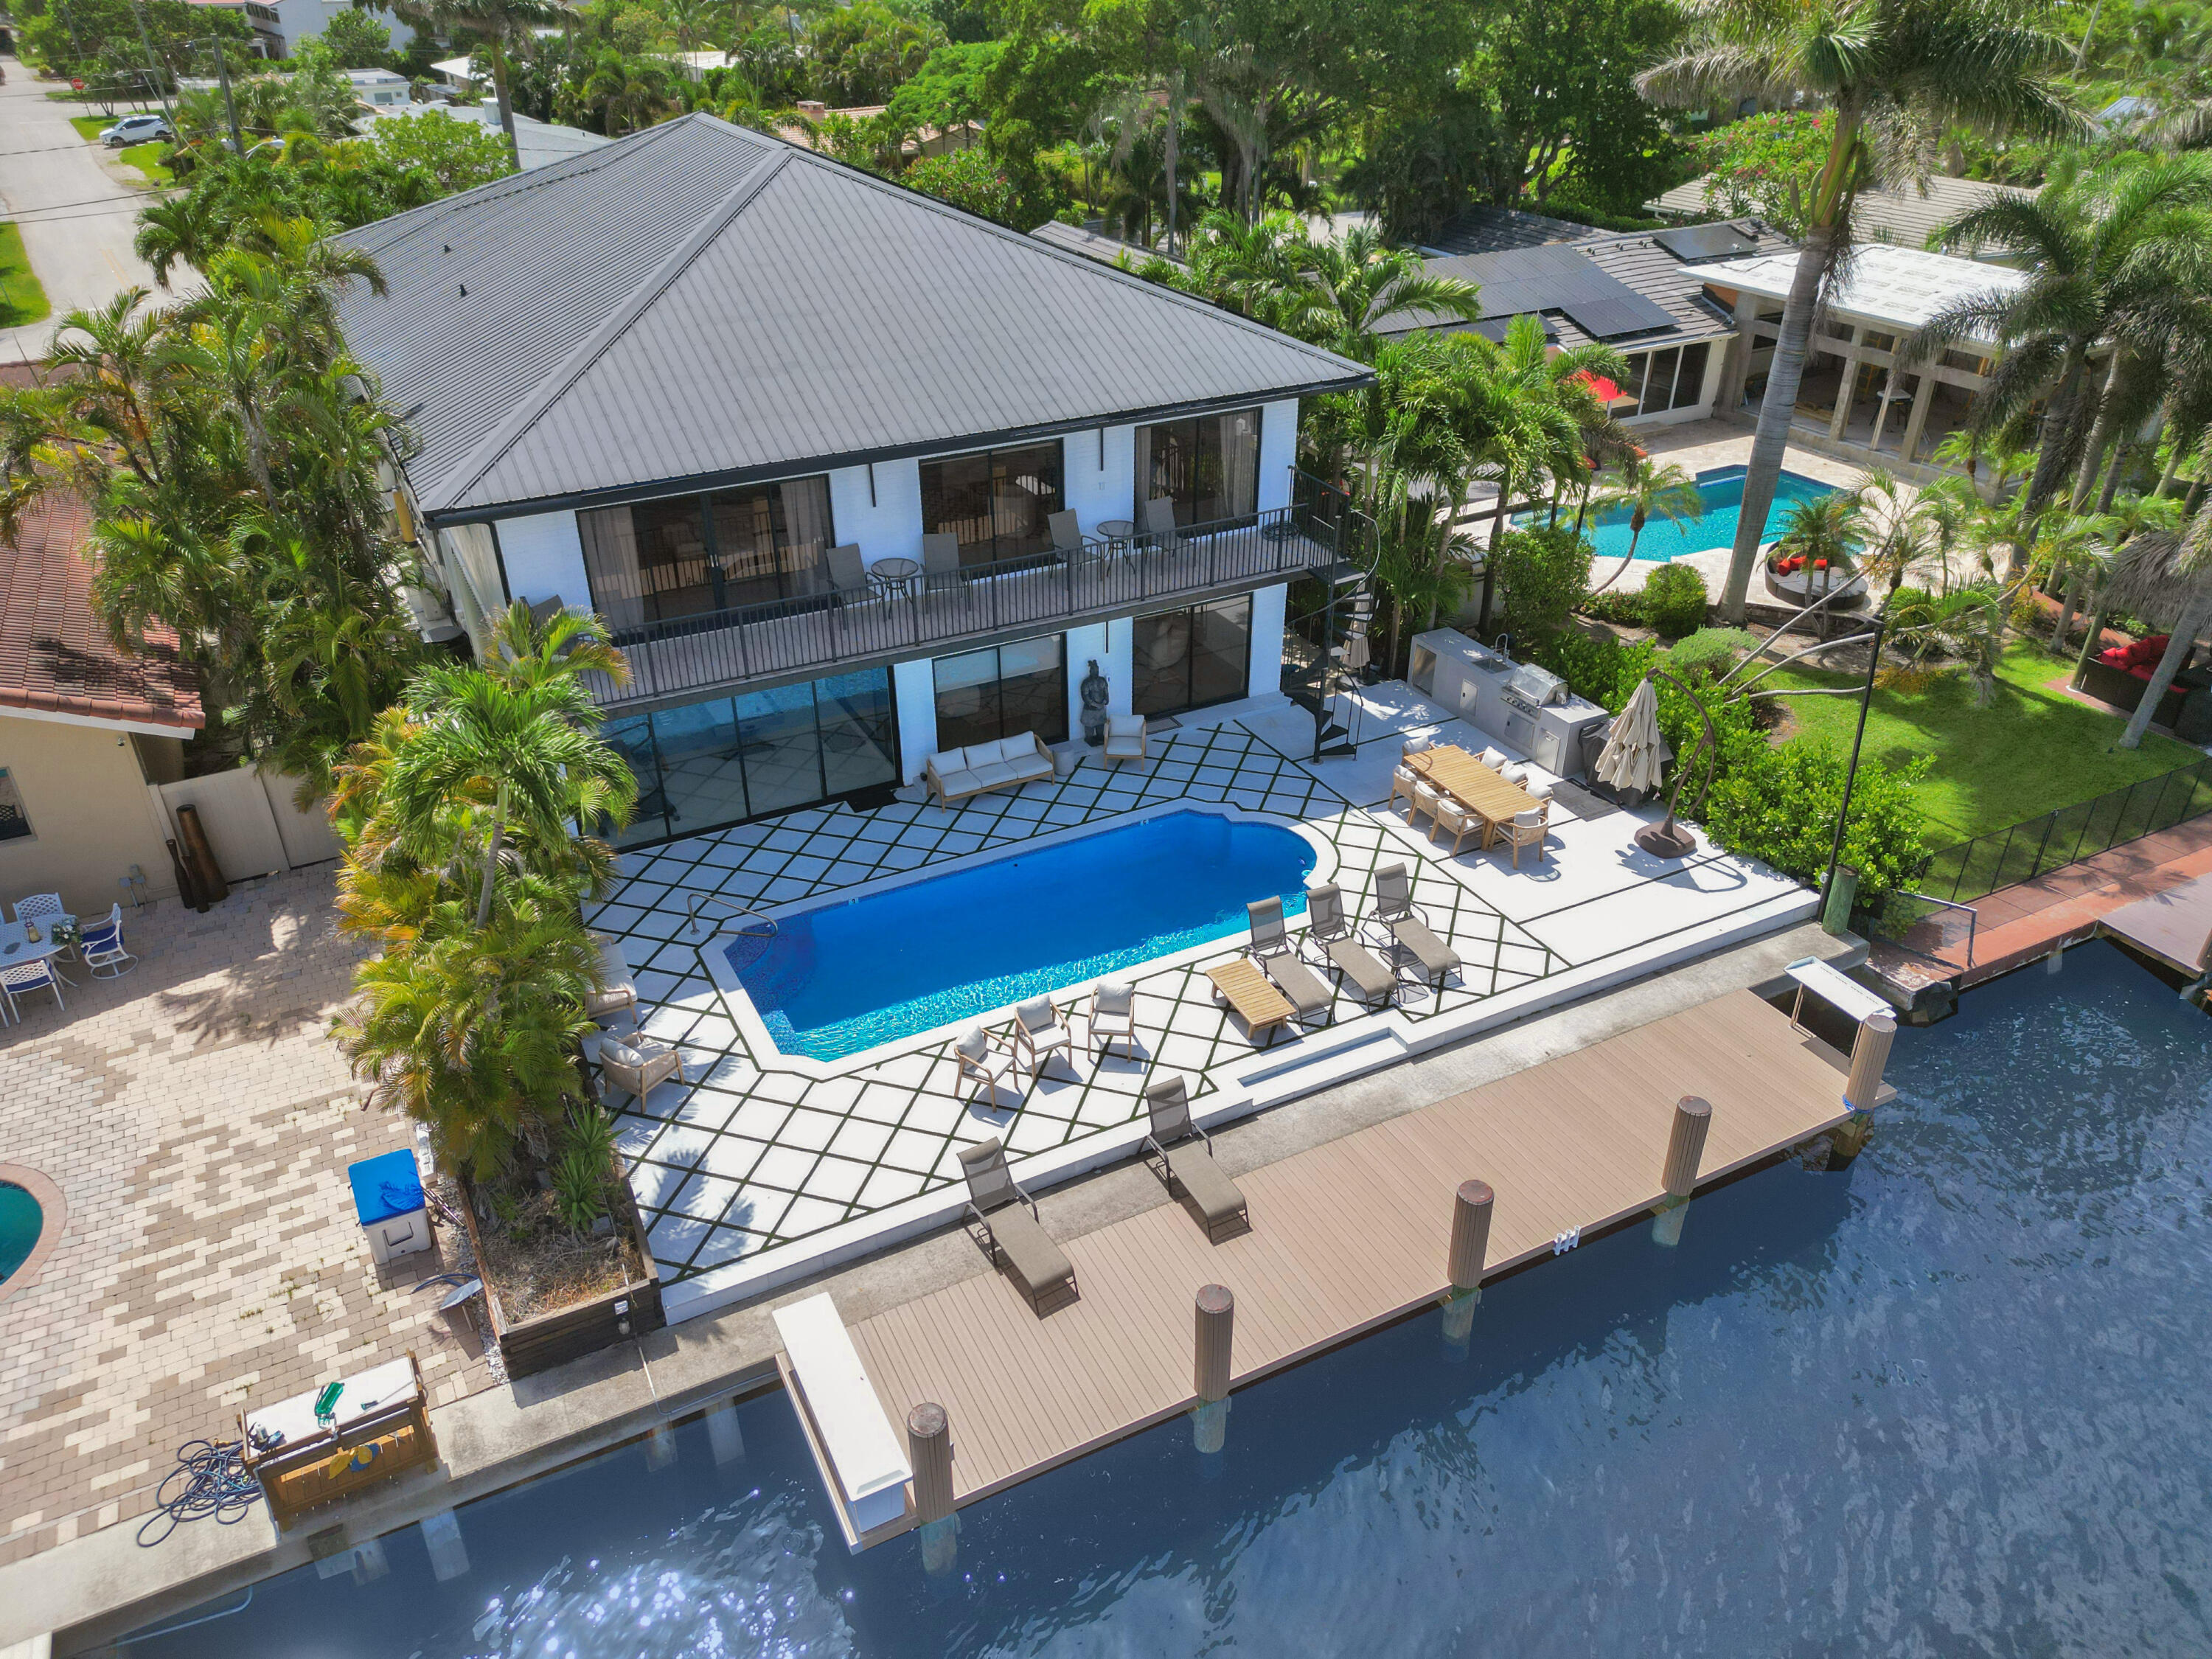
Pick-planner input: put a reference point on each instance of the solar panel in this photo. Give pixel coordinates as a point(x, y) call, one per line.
point(1557, 278)
point(1693, 243)
point(1609, 317)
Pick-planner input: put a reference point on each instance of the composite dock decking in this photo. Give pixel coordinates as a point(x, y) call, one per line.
point(1346, 1236)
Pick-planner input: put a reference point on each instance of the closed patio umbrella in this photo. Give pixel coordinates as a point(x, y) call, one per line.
point(1635, 755)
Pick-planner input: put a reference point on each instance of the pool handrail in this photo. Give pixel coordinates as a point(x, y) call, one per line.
point(695, 901)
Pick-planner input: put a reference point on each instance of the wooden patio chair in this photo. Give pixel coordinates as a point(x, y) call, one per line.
point(638, 1068)
point(1014, 1239)
point(1181, 1154)
point(1113, 1017)
point(1040, 1033)
point(983, 1063)
point(1523, 830)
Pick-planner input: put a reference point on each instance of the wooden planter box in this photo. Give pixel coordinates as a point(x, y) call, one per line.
point(530, 1346)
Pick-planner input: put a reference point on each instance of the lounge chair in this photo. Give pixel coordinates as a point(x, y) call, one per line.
point(1330, 928)
point(1014, 1240)
point(638, 1068)
point(100, 945)
point(1039, 1034)
point(1125, 737)
point(982, 1062)
point(1242, 987)
point(1524, 830)
point(1185, 1160)
point(1394, 910)
point(1278, 957)
point(940, 554)
point(1113, 1017)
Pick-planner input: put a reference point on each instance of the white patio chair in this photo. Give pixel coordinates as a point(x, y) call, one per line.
point(1495, 759)
point(1461, 821)
point(1125, 737)
point(101, 945)
point(30, 976)
point(1417, 745)
point(982, 1062)
point(1113, 1017)
point(1524, 830)
point(1426, 799)
point(42, 908)
point(1039, 1034)
point(1402, 779)
point(1514, 773)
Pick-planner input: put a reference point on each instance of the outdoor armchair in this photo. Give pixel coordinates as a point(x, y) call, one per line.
point(1039, 1034)
point(983, 1064)
point(638, 1068)
point(1181, 1154)
point(1159, 523)
point(1014, 1239)
point(1524, 830)
point(1125, 737)
point(1113, 1017)
point(101, 945)
point(30, 976)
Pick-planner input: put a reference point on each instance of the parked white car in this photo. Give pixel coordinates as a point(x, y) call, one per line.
point(135, 130)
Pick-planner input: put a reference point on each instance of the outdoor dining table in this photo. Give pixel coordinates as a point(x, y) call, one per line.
point(1473, 785)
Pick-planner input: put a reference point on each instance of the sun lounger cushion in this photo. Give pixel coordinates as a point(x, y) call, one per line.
point(1297, 982)
point(1435, 957)
point(1362, 967)
point(1036, 1263)
point(1216, 1196)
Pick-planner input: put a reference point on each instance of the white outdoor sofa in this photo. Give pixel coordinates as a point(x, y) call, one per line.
point(981, 766)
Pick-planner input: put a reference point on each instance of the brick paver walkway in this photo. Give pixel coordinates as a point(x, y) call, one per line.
point(198, 1123)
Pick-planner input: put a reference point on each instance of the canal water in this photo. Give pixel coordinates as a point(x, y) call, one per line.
point(1950, 1401)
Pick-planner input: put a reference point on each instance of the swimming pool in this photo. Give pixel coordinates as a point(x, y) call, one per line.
point(839, 978)
point(1722, 490)
point(20, 1220)
point(1948, 1403)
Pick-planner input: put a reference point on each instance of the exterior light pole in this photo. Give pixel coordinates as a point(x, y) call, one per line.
point(1859, 742)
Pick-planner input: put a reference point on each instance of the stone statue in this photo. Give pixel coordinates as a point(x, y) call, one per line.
point(1094, 690)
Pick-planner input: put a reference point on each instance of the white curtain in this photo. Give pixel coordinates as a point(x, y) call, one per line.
point(1240, 462)
point(609, 539)
point(471, 564)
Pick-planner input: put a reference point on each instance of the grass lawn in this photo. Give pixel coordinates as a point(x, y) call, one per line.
point(2032, 750)
point(21, 299)
point(148, 159)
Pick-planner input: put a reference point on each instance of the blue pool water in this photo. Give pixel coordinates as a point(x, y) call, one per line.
point(20, 1218)
point(845, 978)
point(1948, 1403)
point(1722, 490)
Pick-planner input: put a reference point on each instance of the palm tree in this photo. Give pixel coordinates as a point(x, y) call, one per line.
point(499, 24)
point(2166, 578)
point(2112, 249)
point(1359, 283)
point(1896, 73)
point(2134, 516)
point(1822, 531)
point(1650, 488)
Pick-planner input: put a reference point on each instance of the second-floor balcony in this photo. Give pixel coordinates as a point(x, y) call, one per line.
point(896, 615)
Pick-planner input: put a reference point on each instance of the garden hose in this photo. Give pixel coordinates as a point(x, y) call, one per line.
point(210, 1479)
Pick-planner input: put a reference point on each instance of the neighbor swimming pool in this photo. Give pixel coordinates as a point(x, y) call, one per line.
point(1722, 490)
point(1950, 1401)
point(840, 978)
point(20, 1220)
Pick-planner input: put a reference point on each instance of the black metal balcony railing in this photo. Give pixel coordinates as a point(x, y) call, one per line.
point(849, 625)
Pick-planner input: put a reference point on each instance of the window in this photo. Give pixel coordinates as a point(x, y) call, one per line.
point(1208, 466)
point(1660, 380)
point(984, 695)
point(687, 555)
point(721, 760)
point(15, 822)
point(997, 501)
point(1183, 660)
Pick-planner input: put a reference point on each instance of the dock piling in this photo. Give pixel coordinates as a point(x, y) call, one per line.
point(1215, 1314)
point(1685, 1147)
point(1470, 1243)
point(1869, 1060)
point(929, 1451)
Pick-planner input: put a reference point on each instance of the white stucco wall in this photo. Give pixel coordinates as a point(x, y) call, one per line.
point(1096, 492)
point(1267, 611)
point(1279, 452)
point(890, 526)
point(914, 692)
point(544, 559)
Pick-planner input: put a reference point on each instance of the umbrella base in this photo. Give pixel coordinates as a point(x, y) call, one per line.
point(1665, 840)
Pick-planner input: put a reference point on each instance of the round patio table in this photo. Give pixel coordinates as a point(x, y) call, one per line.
point(1117, 530)
point(893, 576)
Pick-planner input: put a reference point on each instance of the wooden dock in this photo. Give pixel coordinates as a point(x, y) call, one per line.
point(1345, 1238)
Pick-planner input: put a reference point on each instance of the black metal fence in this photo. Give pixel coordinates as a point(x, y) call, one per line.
point(1973, 868)
point(886, 616)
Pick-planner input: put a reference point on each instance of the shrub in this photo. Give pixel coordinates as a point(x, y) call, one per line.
point(1545, 570)
point(1674, 600)
point(967, 178)
point(1779, 806)
point(1597, 666)
point(1712, 649)
point(1626, 610)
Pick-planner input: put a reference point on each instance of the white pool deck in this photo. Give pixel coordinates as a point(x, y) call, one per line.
point(761, 1167)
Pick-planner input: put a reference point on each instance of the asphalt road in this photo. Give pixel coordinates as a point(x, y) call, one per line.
point(71, 201)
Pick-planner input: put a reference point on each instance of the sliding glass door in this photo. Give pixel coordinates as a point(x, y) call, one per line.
point(686, 555)
point(722, 760)
point(1001, 692)
point(1182, 659)
point(1208, 466)
point(998, 502)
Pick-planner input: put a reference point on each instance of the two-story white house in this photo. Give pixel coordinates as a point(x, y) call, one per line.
point(854, 477)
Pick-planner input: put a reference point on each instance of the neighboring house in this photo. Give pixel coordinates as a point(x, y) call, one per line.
point(1856, 399)
point(1906, 215)
point(380, 90)
point(1095, 244)
point(1635, 293)
point(1488, 229)
point(712, 386)
point(281, 25)
point(84, 728)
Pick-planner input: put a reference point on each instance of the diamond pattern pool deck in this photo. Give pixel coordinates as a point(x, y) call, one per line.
point(759, 1165)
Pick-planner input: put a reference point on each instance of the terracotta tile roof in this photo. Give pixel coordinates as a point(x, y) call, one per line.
point(54, 655)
